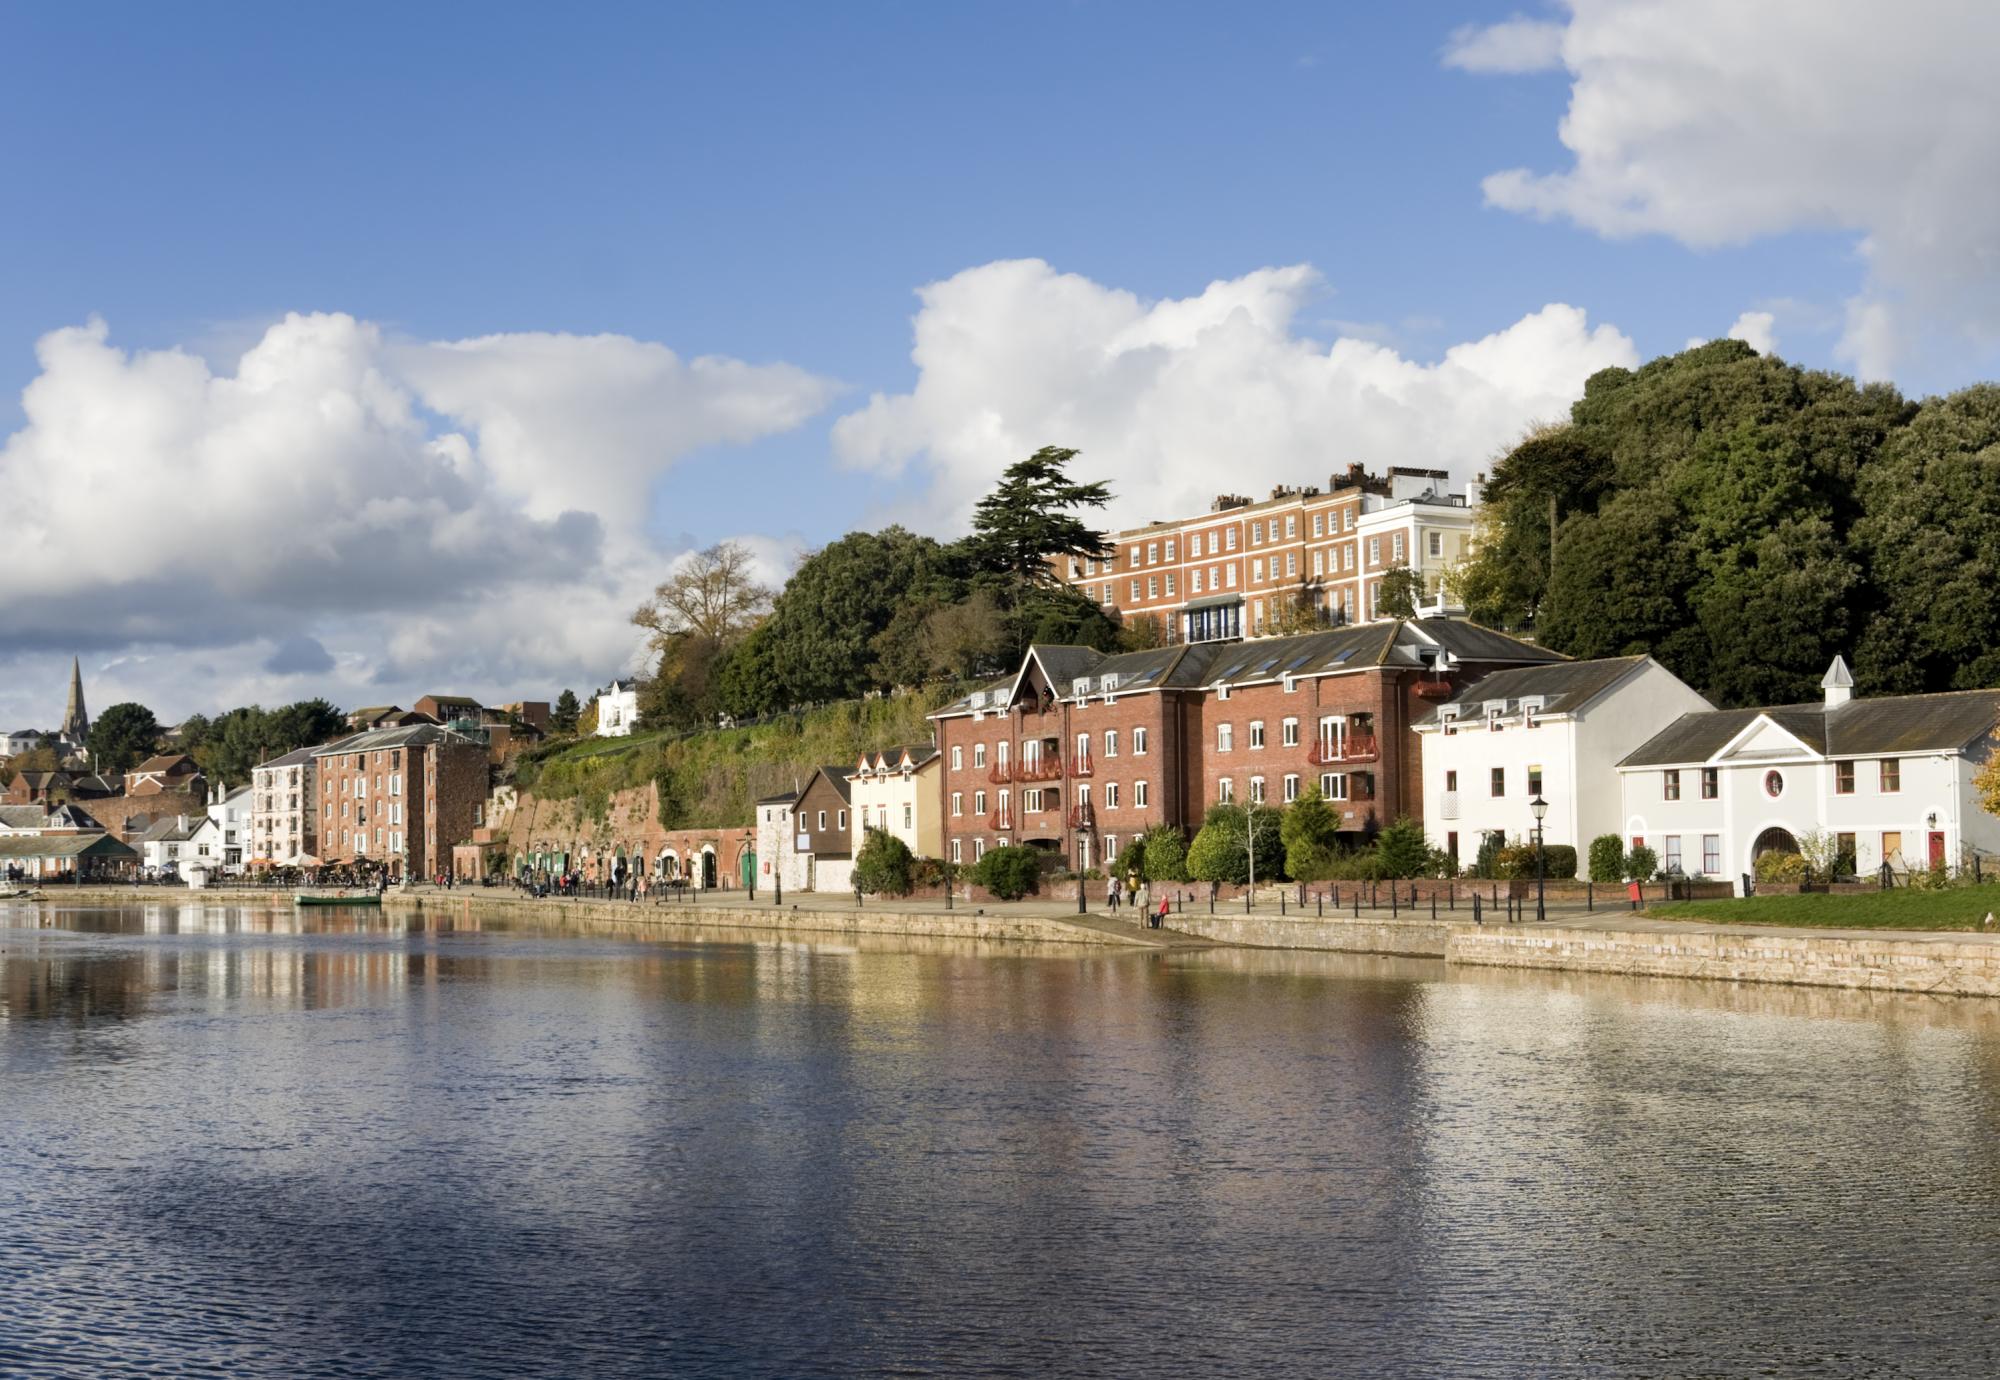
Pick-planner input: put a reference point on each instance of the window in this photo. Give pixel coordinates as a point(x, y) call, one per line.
point(1673, 853)
point(1152, 586)
point(1226, 791)
point(1291, 526)
point(978, 803)
point(1891, 776)
point(1499, 781)
point(1139, 795)
point(957, 803)
point(1152, 553)
point(1110, 742)
point(1291, 564)
point(1711, 854)
point(1291, 789)
point(822, 819)
point(1170, 584)
point(1843, 778)
point(1194, 544)
point(1257, 569)
point(1843, 853)
point(1436, 544)
point(979, 754)
point(1194, 583)
point(958, 850)
point(843, 821)
point(1256, 790)
point(1673, 784)
point(1711, 782)
point(1170, 550)
point(1374, 551)
point(1291, 733)
point(1319, 524)
point(1892, 847)
point(1319, 562)
point(1451, 780)
point(1256, 534)
point(906, 814)
point(978, 849)
point(1256, 733)
point(958, 759)
point(1396, 552)
point(1225, 737)
point(1229, 541)
point(1229, 574)
point(1082, 748)
point(1111, 795)
point(1774, 784)
point(1135, 589)
point(1333, 785)
point(1138, 742)
point(1534, 782)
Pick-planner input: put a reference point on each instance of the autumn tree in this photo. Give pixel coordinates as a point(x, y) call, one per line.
point(695, 617)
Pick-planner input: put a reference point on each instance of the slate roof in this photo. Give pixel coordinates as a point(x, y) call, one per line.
point(1564, 686)
point(165, 762)
point(787, 798)
point(68, 816)
point(406, 735)
point(169, 829)
point(24, 817)
point(297, 758)
point(1880, 727)
point(31, 846)
point(838, 776)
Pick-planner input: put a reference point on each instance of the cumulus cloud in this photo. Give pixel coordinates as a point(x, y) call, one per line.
point(471, 509)
point(1717, 122)
point(1513, 45)
point(1757, 329)
point(1174, 401)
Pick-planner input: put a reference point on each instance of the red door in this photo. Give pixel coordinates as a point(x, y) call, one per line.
point(1937, 848)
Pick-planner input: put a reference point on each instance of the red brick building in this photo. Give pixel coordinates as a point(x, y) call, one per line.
point(402, 796)
point(1080, 750)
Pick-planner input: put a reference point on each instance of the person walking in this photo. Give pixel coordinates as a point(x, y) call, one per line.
point(1111, 894)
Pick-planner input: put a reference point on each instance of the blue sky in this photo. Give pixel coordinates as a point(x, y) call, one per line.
point(774, 183)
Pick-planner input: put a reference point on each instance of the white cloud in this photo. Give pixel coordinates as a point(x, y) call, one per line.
point(306, 521)
point(1758, 330)
point(1176, 401)
point(1513, 45)
point(1718, 122)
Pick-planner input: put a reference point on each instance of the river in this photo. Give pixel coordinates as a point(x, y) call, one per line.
point(241, 1141)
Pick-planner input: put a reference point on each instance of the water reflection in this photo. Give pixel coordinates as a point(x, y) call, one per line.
point(332, 1142)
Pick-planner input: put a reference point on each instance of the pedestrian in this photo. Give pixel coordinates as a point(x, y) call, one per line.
point(1111, 895)
point(1132, 888)
point(1633, 892)
point(1160, 915)
point(1142, 900)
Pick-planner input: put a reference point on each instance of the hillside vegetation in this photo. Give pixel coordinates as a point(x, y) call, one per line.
point(710, 779)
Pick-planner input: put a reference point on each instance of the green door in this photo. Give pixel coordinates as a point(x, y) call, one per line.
point(749, 868)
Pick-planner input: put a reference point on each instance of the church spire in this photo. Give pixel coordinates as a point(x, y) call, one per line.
point(76, 723)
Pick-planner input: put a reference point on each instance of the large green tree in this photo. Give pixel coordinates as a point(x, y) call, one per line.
point(1930, 536)
point(1310, 830)
point(122, 737)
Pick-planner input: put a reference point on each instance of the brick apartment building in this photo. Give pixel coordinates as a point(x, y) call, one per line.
point(1233, 571)
point(404, 796)
point(1080, 750)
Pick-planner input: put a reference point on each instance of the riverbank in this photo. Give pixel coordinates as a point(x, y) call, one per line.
point(1572, 939)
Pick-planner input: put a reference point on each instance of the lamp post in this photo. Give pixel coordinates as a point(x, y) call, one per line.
point(1540, 808)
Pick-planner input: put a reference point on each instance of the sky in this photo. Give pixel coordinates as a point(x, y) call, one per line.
point(374, 350)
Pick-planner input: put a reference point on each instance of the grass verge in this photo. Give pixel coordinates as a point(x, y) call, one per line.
point(1957, 908)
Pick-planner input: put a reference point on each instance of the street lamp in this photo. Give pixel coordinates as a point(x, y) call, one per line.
point(1540, 808)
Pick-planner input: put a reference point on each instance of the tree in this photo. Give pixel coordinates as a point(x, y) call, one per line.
point(1310, 831)
point(563, 718)
point(695, 617)
point(1607, 858)
point(1142, 632)
point(1221, 853)
point(1403, 850)
point(1166, 854)
point(1641, 863)
point(882, 867)
point(1401, 590)
point(825, 637)
point(1216, 855)
point(122, 737)
point(1986, 784)
point(305, 723)
point(1009, 873)
point(1028, 520)
point(1294, 612)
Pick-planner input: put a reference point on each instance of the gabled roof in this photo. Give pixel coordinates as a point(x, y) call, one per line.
point(786, 799)
point(404, 735)
point(453, 699)
point(69, 816)
point(1884, 726)
point(836, 775)
point(32, 846)
point(296, 758)
point(165, 762)
point(23, 817)
point(1564, 687)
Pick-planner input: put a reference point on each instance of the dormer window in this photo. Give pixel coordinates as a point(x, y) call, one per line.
point(1531, 710)
point(1110, 684)
point(1082, 686)
point(1449, 718)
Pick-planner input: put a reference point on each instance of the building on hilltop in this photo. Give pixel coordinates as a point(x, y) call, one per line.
point(1302, 557)
point(1888, 778)
point(1554, 732)
point(402, 797)
point(1080, 751)
point(169, 773)
point(617, 708)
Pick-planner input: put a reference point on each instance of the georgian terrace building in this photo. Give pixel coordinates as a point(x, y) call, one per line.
point(1079, 750)
point(1889, 777)
point(1230, 572)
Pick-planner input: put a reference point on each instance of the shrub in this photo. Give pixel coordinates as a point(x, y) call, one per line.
point(1310, 833)
point(1166, 854)
point(1514, 860)
point(1356, 865)
point(1009, 873)
point(1641, 863)
point(1402, 850)
point(883, 866)
point(1777, 866)
point(1218, 855)
point(1560, 860)
point(1131, 858)
point(1607, 858)
point(926, 872)
point(1486, 863)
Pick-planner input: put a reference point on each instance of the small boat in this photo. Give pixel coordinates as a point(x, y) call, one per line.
point(337, 898)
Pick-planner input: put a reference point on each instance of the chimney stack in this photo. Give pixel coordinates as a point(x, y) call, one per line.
point(1838, 682)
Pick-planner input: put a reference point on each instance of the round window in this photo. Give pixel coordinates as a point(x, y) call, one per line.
point(1774, 784)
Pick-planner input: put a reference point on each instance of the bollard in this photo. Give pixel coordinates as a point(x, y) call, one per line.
point(1451, 897)
point(1357, 903)
point(1336, 898)
point(1211, 902)
point(1590, 896)
point(1322, 906)
point(1475, 909)
point(1281, 905)
point(1434, 905)
point(1246, 902)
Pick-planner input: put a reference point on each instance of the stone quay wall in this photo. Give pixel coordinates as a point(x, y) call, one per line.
point(1414, 938)
point(1876, 962)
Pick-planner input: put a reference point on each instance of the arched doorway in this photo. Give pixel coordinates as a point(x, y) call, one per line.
point(707, 868)
point(1773, 840)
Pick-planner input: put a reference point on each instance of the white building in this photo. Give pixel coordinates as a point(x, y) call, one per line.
point(617, 708)
point(282, 820)
point(1558, 731)
point(180, 842)
point(896, 790)
point(231, 812)
point(21, 740)
point(1889, 778)
point(779, 860)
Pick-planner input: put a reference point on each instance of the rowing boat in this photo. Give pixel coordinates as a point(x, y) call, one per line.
point(345, 898)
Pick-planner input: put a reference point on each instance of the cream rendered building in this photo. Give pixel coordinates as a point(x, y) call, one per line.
point(897, 790)
point(283, 823)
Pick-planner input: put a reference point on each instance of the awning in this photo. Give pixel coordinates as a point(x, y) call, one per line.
point(38, 846)
point(1213, 601)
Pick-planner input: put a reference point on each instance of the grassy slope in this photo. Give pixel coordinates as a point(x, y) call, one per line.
point(1961, 908)
point(710, 779)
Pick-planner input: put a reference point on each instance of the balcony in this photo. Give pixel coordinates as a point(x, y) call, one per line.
point(1355, 747)
point(1448, 805)
point(1001, 821)
point(1001, 774)
point(1082, 766)
point(1048, 767)
point(1083, 817)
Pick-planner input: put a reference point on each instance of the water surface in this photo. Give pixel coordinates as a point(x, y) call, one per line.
point(249, 1142)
